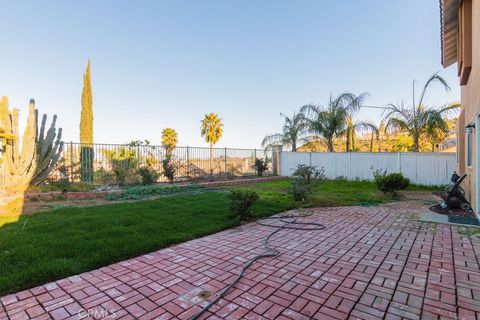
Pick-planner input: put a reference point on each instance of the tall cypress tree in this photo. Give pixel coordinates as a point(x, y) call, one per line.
point(86, 129)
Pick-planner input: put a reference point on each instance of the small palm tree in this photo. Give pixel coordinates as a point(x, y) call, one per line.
point(419, 119)
point(354, 103)
point(437, 129)
point(331, 122)
point(375, 132)
point(292, 130)
point(211, 130)
point(169, 140)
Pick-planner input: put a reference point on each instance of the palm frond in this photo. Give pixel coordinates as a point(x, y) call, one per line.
point(272, 139)
point(396, 123)
point(434, 78)
point(310, 109)
point(450, 107)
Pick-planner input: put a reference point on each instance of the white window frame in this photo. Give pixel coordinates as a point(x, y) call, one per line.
point(468, 147)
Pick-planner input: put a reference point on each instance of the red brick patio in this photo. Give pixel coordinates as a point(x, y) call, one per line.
point(370, 263)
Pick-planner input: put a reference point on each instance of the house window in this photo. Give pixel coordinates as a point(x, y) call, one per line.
point(469, 147)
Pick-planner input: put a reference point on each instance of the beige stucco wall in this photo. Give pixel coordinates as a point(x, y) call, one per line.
point(470, 99)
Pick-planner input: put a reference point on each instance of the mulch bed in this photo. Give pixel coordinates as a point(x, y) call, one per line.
point(455, 215)
point(450, 212)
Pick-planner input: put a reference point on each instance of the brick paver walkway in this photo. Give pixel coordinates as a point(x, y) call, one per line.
point(370, 263)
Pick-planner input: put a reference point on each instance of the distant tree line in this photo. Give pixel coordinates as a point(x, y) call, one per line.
point(332, 128)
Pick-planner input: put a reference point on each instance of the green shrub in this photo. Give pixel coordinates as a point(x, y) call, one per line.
point(63, 184)
point(390, 183)
point(260, 166)
point(104, 178)
point(140, 192)
point(309, 174)
point(148, 175)
point(241, 201)
point(299, 189)
point(169, 169)
point(124, 163)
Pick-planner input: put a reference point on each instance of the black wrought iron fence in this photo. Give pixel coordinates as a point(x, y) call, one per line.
point(105, 164)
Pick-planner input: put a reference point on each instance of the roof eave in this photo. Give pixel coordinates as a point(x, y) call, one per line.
point(449, 30)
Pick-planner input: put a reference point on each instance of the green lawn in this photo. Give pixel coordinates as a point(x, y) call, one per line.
point(48, 246)
point(328, 193)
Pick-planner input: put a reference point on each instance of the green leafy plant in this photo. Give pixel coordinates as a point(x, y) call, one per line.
point(234, 169)
point(309, 174)
point(241, 202)
point(104, 177)
point(124, 162)
point(140, 192)
point(148, 175)
point(390, 183)
point(169, 169)
point(299, 189)
point(63, 184)
point(260, 165)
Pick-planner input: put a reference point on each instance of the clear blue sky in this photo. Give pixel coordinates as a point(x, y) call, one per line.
point(159, 64)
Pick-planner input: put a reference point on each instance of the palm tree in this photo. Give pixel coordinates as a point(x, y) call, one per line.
point(169, 140)
point(437, 128)
point(350, 134)
point(331, 122)
point(212, 130)
point(292, 130)
point(417, 118)
point(354, 104)
point(368, 126)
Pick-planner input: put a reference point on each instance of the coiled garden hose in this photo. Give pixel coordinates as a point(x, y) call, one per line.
point(289, 222)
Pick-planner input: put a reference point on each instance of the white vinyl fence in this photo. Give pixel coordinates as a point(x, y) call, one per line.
point(420, 168)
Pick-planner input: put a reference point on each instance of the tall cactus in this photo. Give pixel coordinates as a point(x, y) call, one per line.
point(49, 149)
point(17, 166)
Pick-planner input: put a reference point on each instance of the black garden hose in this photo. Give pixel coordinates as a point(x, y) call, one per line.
point(289, 222)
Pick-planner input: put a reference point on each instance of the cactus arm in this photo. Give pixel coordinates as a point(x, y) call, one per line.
point(43, 174)
point(15, 146)
point(41, 135)
point(17, 167)
point(49, 149)
point(28, 155)
point(45, 143)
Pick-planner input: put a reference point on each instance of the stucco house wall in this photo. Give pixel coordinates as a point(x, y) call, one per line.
point(470, 99)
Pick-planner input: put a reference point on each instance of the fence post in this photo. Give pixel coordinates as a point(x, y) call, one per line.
point(188, 160)
point(138, 157)
point(399, 162)
point(310, 158)
point(255, 159)
point(276, 155)
point(350, 177)
point(71, 161)
point(225, 162)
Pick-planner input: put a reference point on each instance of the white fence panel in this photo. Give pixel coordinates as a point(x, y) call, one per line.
point(290, 160)
point(420, 168)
